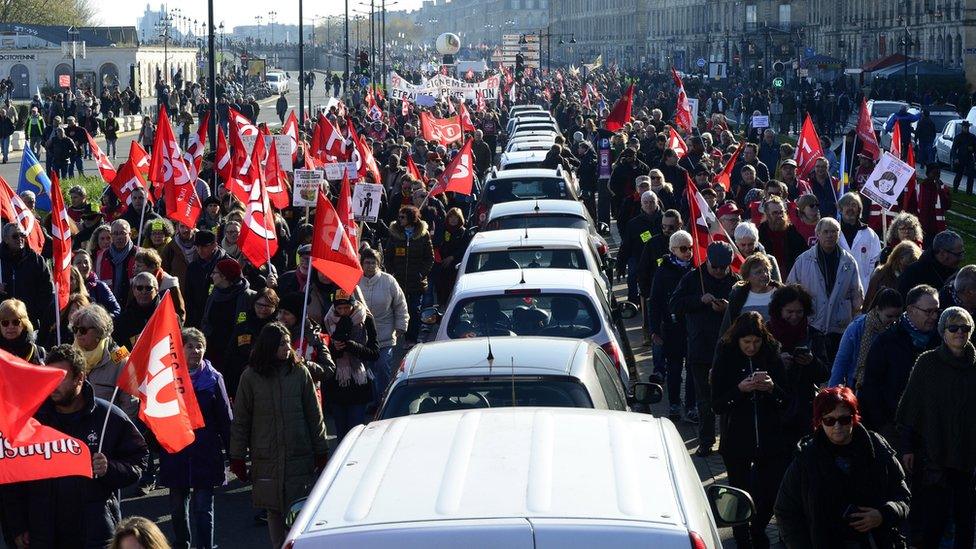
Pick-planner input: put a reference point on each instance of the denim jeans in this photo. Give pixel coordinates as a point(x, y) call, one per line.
point(347, 416)
point(110, 148)
point(381, 373)
point(192, 510)
point(5, 147)
point(74, 163)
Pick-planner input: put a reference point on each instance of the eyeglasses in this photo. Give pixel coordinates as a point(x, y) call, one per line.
point(683, 249)
point(80, 330)
point(830, 421)
point(142, 288)
point(263, 305)
point(964, 328)
point(954, 254)
point(13, 322)
point(814, 205)
point(656, 178)
point(934, 311)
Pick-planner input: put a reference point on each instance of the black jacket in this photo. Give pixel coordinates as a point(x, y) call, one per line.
point(640, 229)
point(927, 270)
point(794, 245)
point(666, 278)
point(654, 254)
point(79, 511)
point(131, 321)
point(622, 181)
point(220, 314)
point(702, 321)
point(198, 287)
point(27, 278)
point(815, 492)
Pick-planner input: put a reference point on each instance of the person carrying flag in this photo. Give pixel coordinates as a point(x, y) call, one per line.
point(78, 511)
point(24, 274)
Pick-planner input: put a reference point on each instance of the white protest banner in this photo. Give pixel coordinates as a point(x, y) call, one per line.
point(306, 187)
point(333, 171)
point(441, 86)
point(282, 145)
point(693, 103)
point(760, 121)
point(887, 181)
point(366, 201)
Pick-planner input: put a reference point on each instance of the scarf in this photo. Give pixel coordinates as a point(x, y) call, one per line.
point(788, 335)
point(678, 262)
point(20, 347)
point(348, 370)
point(93, 357)
point(118, 258)
point(233, 250)
point(189, 251)
point(920, 339)
point(873, 326)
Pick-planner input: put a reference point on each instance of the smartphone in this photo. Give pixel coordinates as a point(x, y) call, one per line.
point(759, 374)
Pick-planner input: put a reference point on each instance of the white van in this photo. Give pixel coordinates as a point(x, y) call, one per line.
point(518, 478)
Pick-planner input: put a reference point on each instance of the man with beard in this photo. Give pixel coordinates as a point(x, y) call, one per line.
point(778, 236)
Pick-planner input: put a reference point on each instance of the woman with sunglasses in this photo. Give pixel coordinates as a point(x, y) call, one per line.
point(666, 330)
point(938, 435)
point(142, 303)
point(17, 332)
point(748, 394)
point(845, 488)
point(806, 216)
point(92, 328)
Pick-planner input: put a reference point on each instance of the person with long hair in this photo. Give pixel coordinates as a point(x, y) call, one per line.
point(753, 293)
point(747, 392)
point(17, 332)
point(886, 275)
point(353, 345)
point(138, 533)
point(845, 487)
point(848, 367)
point(98, 291)
point(278, 424)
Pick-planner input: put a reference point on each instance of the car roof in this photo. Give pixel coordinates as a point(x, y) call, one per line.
point(537, 236)
point(524, 156)
point(500, 463)
point(528, 207)
point(469, 356)
point(577, 281)
point(527, 173)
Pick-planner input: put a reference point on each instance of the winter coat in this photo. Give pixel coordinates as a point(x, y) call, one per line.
point(201, 464)
point(105, 271)
point(815, 493)
point(930, 203)
point(793, 246)
point(361, 347)
point(640, 229)
point(174, 260)
point(198, 287)
point(78, 511)
point(278, 424)
point(130, 323)
point(100, 293)
point(866, 249)
point(889, 363)
point(104, 375)
point(622, 182)
point(220, 315)
point(831, 313)
point(936, 409)
point(845, 362)
point(409, 260)
point(28, 279)
point(927, 270)
point(750, 422)
point(387, 304)
point(701, 321)
point(653, 255)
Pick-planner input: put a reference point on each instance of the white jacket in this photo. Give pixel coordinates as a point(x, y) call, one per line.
point(388, 305)
point(866, 249)
point(831, 313)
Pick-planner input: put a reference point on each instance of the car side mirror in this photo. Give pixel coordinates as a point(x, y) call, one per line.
point(293, 511)
point(627, 310)
point(603, 228)
point(430, 315)
point(730, 506)
point(648, 393)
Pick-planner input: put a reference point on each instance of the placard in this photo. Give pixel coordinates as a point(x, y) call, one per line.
point(306, 187)
point(366, 201)
point(282, 145)
point(333, 171)
point(693, 103)
point(760, 121)
point(887, 181)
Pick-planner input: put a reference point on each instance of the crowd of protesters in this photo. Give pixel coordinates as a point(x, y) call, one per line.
point(829, 340)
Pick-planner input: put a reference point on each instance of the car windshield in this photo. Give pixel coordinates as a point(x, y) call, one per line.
point(525, 258)
point(523, 165)
point(539, 221)
point(524, 314)
point(272, 78)
point(510, 190)
point(884, 110)
point(444, 394)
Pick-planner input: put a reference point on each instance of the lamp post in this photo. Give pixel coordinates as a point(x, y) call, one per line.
point(907, 42)
point(163, 27)
point(73, 32)
point(345, 79)
point(212, 85)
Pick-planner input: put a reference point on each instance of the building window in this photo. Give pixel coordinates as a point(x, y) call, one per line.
point(785, 11)
point(751, 14)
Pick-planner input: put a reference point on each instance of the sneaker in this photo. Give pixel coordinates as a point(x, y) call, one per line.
point(691, 416)
point(674, 413)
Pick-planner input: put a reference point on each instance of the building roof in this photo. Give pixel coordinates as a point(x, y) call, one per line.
point(882, 62)
point(92, 36)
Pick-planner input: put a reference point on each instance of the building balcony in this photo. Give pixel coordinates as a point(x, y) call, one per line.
point(761, 26)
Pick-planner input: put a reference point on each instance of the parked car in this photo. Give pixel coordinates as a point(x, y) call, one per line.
point(564, 214)
point(518, 478)
point(512, 185)
point(943, 141)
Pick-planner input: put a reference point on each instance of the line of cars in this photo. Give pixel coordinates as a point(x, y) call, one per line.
point(513, 427)
point(946, 118)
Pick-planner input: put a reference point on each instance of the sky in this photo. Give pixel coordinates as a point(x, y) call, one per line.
point(231, 12)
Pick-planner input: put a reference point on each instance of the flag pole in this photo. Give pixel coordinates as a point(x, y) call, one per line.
point(57, 315)
point(301, 321)
point(142, 220)
point(108, 412)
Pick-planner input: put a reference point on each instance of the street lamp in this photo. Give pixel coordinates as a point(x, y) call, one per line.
point(907, 42)
point(274, 51)
point(73, 34)
point(163, 28)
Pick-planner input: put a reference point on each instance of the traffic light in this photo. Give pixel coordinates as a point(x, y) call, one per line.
point(363, 61)
point(519, 65)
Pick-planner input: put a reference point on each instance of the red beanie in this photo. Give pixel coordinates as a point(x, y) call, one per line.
point(230, 268)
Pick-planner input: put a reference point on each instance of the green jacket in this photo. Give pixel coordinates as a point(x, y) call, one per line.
point(278, 418)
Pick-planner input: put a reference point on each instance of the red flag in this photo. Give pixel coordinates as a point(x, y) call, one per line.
point(620, 114)
point(682, 112)
point(156, 374)
point(60, 244)
point(896, 140)
point(412, 168)
point(865, 132)
point(458, 176)
point(169, 172)
point(586, 97)
point(373, 110)
point(676, 143)
point(241, 124)
point(442, 130)
point(808, 149)
point(193, 156)
point(479, 101)
point(465, 116)
point(909, 197)
point(277, 180)
point(346, 216)
point(470, 74)
point(140, 159)
point(291, 130)
point(224, 166)
point(327, 141)
point(332, 253)
point(404, 108)
point(362, 155)
point(705, 228)
point(30, 450)
point(258, 241)
point(725, 177)
point(22, 215)
point(127, 180)
point(105, 166)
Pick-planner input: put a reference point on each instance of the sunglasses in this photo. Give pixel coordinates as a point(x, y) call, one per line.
point(829, 421)
point(683, 249)
point(80, 330)
point(6, 323)
point(951, 329)
point(142, 288)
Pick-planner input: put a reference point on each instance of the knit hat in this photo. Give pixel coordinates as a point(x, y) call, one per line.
point(204, 238)
point(292, 303)
point(230, 269)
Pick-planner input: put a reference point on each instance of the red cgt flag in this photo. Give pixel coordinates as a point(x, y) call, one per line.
point(290, 128)
point(140, 159)
point(171, 176)
point(412, 168)
point(193, 156)
point(156, 374)
point(682, 111)
point(676, 143)
point(277, 179)
point(865, 132)
point(16, 211)
point(128, 179)
point(465, 116)
point(896, 140)
point(346, 215)
point(60, 245)
point(705, 228)
point(104, 165)
point(224, 167)
point(28, 449)
point(808, 149)
point(332, 253)
point(258, 241)
point(442, 130)
point(725, 176)
point(458, 176)
point(362, 155)
point(620, 114)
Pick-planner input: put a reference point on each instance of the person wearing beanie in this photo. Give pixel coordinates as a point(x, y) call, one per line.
point(231, 296)
point(308, 341)
point(197, 286)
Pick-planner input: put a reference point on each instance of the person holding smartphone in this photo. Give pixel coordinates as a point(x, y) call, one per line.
point(845, 487)
point(747, 392)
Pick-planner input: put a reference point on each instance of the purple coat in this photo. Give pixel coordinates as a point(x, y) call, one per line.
point(201, 464)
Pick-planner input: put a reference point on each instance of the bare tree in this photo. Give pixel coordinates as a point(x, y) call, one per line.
point(47, 12)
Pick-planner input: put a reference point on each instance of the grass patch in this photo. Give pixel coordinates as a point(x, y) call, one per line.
point(965, 204)
point(94, 185)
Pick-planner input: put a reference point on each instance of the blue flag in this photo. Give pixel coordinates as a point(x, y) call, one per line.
point(33, 178)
